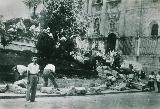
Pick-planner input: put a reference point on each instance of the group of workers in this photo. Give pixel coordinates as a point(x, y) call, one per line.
point(154, 78)
point(33, 72)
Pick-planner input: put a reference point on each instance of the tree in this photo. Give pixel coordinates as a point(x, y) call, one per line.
point(61, 17)
point(10, 31)
point(3, 39)
point(45, 45)
point(32, 4)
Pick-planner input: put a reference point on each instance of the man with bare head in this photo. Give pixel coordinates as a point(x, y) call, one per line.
point(33, 70)
point(49, 73)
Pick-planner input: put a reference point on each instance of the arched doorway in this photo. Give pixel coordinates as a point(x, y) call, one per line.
point(154, 30)
point(111, 42)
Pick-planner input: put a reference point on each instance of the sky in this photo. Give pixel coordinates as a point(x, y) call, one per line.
point(13, 8)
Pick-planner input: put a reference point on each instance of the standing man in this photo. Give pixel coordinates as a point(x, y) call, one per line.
point(158, 81)
point(33, 70)
point(117, 59)
point(151, 81)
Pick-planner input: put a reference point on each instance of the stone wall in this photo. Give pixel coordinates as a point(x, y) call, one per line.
point(150, 63)
point(21, 45)
point(137, 14)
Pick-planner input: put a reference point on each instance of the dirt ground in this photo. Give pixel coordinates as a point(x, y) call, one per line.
point(109, 101)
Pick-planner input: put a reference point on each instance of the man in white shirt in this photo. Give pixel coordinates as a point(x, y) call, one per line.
point(151, 81)
point(48, 73)
point(33, 70)
point(158, 81)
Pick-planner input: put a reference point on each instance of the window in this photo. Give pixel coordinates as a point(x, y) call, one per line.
point(154, 30)
point(155, 0)
point(87, 6)
point(97, 2)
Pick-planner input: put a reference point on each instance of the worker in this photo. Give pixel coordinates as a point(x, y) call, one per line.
point(32, 80)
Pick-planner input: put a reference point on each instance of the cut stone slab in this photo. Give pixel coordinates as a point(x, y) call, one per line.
point(3, 88)
point(48, 90)
point(122, 86)
point(16, 89)
point(80, 90)
point(39, 86)
point(73, 91)
point(94, 90)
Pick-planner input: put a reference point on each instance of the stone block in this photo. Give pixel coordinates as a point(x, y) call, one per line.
point(39, 86)
point(16, 89)
point(80, 90)
point(3, 88)
point(120, 87)
point(94, 90)
point(48, 90)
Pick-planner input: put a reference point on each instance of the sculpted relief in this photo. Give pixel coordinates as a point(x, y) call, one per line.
point(113, 15)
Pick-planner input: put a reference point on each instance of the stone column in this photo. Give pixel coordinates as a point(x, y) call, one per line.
point(138, 46)
point(138, 49)
point(90, 7)
point(117, 44)
point(103, 18)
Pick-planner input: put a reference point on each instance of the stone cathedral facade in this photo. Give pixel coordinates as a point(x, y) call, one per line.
point(131, 26)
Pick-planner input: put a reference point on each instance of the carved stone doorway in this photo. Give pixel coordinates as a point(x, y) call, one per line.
point(111, 42)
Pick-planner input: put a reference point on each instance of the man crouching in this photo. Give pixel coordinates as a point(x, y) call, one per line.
point(49, 73)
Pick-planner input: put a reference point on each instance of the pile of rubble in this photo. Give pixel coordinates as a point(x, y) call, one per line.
point(73, 90)
point(3, 88)
point(110, 79)
point(18, 87)
point(64, 91)
point(123, 78)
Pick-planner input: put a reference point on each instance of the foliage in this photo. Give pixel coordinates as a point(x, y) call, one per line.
point(29, 22)
point(17, 29)
point(45, 45)
point(10, 22)
point(61, 18)
point(65, 18)
point(32, 4)
point(4, 40)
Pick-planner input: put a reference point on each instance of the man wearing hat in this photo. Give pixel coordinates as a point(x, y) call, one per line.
point(33, 70)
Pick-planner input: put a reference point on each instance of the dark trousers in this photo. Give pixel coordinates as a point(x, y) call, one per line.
point(151, 85)
point(158, 86)
point(16, 76)
point(31, 88)
point(47, 74)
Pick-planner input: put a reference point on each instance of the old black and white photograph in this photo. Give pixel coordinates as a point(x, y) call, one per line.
point(79, 54)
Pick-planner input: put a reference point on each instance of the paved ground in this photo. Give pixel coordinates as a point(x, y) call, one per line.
point(108, 101)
